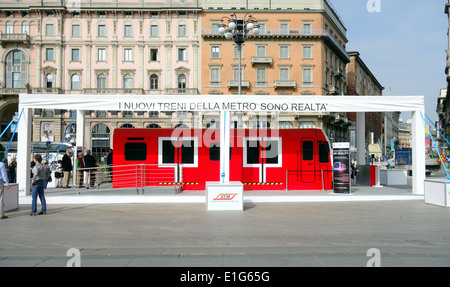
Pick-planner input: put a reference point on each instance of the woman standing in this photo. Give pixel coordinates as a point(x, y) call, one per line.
point(40, 177)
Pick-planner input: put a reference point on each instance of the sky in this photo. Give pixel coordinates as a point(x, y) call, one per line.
point(403, 43)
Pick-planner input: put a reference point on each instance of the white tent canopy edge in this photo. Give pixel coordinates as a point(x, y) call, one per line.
point(223, 103)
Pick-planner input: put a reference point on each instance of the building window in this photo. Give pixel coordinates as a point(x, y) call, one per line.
point(15, 70)
point(127, 32)
point(102, 14)
point(50, 13)
point(284, 74)
point(76, 30)
point(262, 29)
point(284, 29)
point(307, 52)
point(306, 29)
point(101, 81)
point(182, 14)
point(49, 54)
point(260, 51)
point(236, 74)
point(17, 58)
point(75, 82)
point(76, 14)
point(181, 30)
point(49, 81)
point(9, 29)
point(215, 52)
point(127, 81)
point(215, 76)
point(26, 28)
point(128, 55)
point(154, 14)
point(49, 30)
point(284, 52)
point(261, 76)
point(75, 55)
point(100, 142)
point(128, 15)
point(215, 29)
point(154, 82)
point(181, 81)
point(307, 76)
point(153, 30)
point(182, 54)
point(153, 55)
point(101, 31)
point(101, 55)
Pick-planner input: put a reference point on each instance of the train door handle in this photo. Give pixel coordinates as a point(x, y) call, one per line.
point(310, 163)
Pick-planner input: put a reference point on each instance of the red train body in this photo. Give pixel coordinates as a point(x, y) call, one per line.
point(262, 159)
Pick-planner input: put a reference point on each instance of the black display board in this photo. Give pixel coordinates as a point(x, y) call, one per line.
point(341, 167)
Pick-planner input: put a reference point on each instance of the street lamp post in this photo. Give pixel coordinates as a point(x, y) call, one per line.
point(237, 29)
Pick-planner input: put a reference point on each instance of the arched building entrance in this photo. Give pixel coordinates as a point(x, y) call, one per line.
point(101, 140)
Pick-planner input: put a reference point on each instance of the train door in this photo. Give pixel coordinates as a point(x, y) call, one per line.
point(261, 155)
point(180, 153)
point(307, 170)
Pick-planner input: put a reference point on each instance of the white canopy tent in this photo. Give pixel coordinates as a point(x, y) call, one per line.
point(225, 104)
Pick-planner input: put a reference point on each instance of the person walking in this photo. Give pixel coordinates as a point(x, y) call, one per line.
point(40, 177)
point(67, 168)
point(4, 183)
point(90, 164)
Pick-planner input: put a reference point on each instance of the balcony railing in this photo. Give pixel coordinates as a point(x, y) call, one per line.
point(234, 84)
point(262, 60)
point(46, 91)
point(285, 84)
point(113, 91)
point(190, 91)
point(14, 38)
point(286, 33)
point(13, 91)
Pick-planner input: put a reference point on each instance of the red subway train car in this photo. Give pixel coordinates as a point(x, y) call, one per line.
point(262, 159)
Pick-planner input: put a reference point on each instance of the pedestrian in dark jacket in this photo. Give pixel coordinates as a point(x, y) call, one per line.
point(91, 166)
point(67, 168)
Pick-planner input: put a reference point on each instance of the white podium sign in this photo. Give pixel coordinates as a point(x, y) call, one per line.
point(11, 197)
point(437, 192)
point(228, 196)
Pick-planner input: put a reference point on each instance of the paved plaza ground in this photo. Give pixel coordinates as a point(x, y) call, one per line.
point(406, 233)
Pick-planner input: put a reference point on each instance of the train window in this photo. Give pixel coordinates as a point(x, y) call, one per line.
point(308, 149)
point(214, 152)
point(187, 151)
point(271, 147)
point(252, 152)
point(135, 151)
point(168, 152)
point(324, 151)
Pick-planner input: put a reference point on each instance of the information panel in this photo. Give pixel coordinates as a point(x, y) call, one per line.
point(341, 167)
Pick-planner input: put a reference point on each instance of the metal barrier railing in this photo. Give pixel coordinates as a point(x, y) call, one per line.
point(141, 176)
point(321, 171)
point(128, 176)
